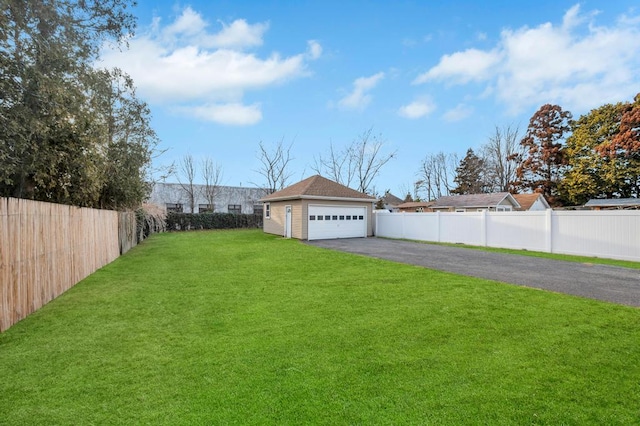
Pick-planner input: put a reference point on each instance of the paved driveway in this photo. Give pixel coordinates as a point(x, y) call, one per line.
point(602, 282)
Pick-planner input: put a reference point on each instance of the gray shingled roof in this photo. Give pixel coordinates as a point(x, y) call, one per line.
point(474, 200)
point(392, 200)
point(613, 202)
point(414, 204)
point(317, 187)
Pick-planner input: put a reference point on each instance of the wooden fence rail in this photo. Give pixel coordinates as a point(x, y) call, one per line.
point(45, 249)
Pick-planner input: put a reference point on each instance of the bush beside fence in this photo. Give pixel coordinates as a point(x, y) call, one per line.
point(198, 221)
point(47, 248)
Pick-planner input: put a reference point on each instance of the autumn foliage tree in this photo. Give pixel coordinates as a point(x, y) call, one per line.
point(623, 149)
point(591, 171)
point(543, 163)
point(627, 141)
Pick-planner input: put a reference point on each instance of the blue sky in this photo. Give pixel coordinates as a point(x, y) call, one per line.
point(427, 76)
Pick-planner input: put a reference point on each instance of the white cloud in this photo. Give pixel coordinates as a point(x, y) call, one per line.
point(359, 98)
point(238, 34)
point(417, 109)
point(314, 49)
point(232, 114)
point(576, 64)
point(462, 67)
point(459, 113)
point(189, 68)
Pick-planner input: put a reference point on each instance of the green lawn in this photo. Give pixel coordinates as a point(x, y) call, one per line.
point(239, 327)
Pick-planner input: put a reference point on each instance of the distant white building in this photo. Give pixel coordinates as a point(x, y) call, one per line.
point(174, 197)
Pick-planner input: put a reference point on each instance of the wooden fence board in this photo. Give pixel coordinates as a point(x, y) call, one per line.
point(45, 249)
point(5, 317)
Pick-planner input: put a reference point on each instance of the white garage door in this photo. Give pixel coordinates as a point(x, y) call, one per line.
point(327, 222)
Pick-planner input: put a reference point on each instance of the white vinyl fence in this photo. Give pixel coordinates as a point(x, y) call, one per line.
point(607, 234)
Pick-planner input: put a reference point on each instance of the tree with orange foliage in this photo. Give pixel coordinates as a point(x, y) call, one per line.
point(624, 148)
point(541, 166)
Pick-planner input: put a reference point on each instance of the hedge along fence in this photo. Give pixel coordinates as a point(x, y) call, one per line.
point(197, 221)
point(45, 249)
point(127, 237)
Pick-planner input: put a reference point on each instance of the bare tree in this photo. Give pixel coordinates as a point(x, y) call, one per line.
point(186, 179)
point(359, 163)
point(499, 155)
point(337, 165)
point(275, 165)
point(212, 176)
point(436, 174)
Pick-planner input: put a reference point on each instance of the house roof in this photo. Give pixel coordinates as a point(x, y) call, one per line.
point(527, 200)
point(318, 187)
point(474, 200)
point(613, 202)
point(390, 199)
point(415, 204)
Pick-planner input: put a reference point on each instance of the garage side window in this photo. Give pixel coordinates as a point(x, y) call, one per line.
point(267, 211)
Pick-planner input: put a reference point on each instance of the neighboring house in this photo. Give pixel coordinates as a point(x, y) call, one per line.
point(318, 208)
point(614, 204)
point(227, 199)
point(390, 201)
point(498, 201)
point(416, 206)
point(531, 202)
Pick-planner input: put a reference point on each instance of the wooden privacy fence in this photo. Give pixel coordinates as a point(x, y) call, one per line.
point(609, 234)
point(47, 248)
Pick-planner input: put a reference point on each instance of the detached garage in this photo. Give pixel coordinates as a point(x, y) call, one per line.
point(318, 208)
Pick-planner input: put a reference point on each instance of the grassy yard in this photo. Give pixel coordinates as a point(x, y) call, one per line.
point(239, 327)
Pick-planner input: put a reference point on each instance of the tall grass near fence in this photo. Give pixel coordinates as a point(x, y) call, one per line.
point(47, 248)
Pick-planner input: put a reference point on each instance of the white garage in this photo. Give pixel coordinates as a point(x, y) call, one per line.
point(318, 208)
point(326, 222)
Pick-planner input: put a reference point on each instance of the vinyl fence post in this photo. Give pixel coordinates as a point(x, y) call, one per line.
point(549, 231)
point(483, 228)
point(374, 217)
point(438, 224)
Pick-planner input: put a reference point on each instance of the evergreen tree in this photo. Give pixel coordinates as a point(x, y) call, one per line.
point(469, 175)
point(68, 132)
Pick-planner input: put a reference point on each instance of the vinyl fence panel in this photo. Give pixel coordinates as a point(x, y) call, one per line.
point(465, 228)
point(607, 234)
point(517, 230)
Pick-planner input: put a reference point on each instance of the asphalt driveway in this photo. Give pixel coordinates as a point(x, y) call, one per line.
point(602, 282)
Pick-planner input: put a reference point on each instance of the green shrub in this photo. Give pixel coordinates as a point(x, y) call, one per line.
point(195, 221)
